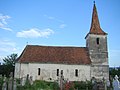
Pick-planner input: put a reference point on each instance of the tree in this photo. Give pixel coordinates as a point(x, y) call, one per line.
point(10, 60)
point(9, 64)
point(114, 71)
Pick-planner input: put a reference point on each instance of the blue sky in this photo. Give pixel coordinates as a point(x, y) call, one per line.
point(56, 23)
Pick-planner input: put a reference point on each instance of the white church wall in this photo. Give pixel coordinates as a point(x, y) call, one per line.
point(24, 70)
point(49, 71)
point(17, 70)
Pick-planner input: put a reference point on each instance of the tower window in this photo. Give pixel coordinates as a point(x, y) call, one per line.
point(38, 71)
point(76, 72)
point(57, 72)
point(98, 41)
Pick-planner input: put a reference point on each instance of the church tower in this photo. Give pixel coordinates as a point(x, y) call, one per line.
point(96, 42)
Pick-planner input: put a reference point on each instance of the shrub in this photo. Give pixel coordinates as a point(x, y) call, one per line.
point(82, 85)
point(39, 84)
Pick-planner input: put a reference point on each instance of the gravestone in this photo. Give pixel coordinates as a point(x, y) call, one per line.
point(27, 77)
point(94, 83)
point(31, 80)
point(14, 85)
point(4, 87)
point(10, 82)
point(116, 83)
point(23, 81)
point(108, 84)
point(1, 82)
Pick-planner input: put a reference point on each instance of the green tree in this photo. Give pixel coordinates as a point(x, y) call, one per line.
point(10, 60)
point(114, 71)
point(9, 64)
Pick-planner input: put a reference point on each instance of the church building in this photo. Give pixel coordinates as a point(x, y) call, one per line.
point(73, 63)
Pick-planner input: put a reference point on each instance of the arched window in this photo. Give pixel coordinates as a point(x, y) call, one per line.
point(98, 41)
point(57, 72)
point(38, 71)
point(76, 72)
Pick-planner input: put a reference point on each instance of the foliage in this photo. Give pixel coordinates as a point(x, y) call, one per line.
point(54, 85)
point(6, 69)
point(44, 85)
point(39, 84)
point(78, 85)
point(10, 60)
point(82, 85)
point(114, 71)
point(8, 65)
point(89, 85)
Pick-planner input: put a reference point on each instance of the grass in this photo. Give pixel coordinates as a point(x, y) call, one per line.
point(39, 85)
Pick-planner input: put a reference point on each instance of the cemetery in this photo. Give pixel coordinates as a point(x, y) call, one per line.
point(26, 83)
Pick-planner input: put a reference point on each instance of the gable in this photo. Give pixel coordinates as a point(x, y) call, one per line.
point(55, 55)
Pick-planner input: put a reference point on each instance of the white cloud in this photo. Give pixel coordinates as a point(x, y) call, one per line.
point(49, 17)
point(57, 20)
point(6, 28)
point(54, 18)
point(62, 26)
point(3, 22)
point(7, 43)
point(35, 33)
point(7, 46)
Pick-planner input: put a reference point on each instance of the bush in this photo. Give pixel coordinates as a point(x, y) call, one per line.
point(89, 85)
point(54, 86)
point(39, 84)
point(83, 85)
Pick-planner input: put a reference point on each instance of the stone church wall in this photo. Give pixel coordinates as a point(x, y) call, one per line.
point(48, 72)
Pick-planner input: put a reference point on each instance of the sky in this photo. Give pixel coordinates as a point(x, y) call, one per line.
point(56, 23)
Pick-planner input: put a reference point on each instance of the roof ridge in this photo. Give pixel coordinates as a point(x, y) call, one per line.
point(56, 46)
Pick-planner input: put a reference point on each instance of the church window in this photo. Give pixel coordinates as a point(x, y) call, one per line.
point(57, 72)
point(61, 72)
point(76, 72)
point(97, 41)
point(38, 71)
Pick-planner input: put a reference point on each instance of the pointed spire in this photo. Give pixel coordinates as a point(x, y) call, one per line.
point(95, 25)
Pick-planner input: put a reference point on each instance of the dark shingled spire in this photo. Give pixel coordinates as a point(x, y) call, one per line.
point(95, 25)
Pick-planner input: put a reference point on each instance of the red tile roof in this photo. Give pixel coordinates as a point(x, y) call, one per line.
point(55, 55)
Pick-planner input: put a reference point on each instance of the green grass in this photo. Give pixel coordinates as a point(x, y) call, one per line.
point(39, 85)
